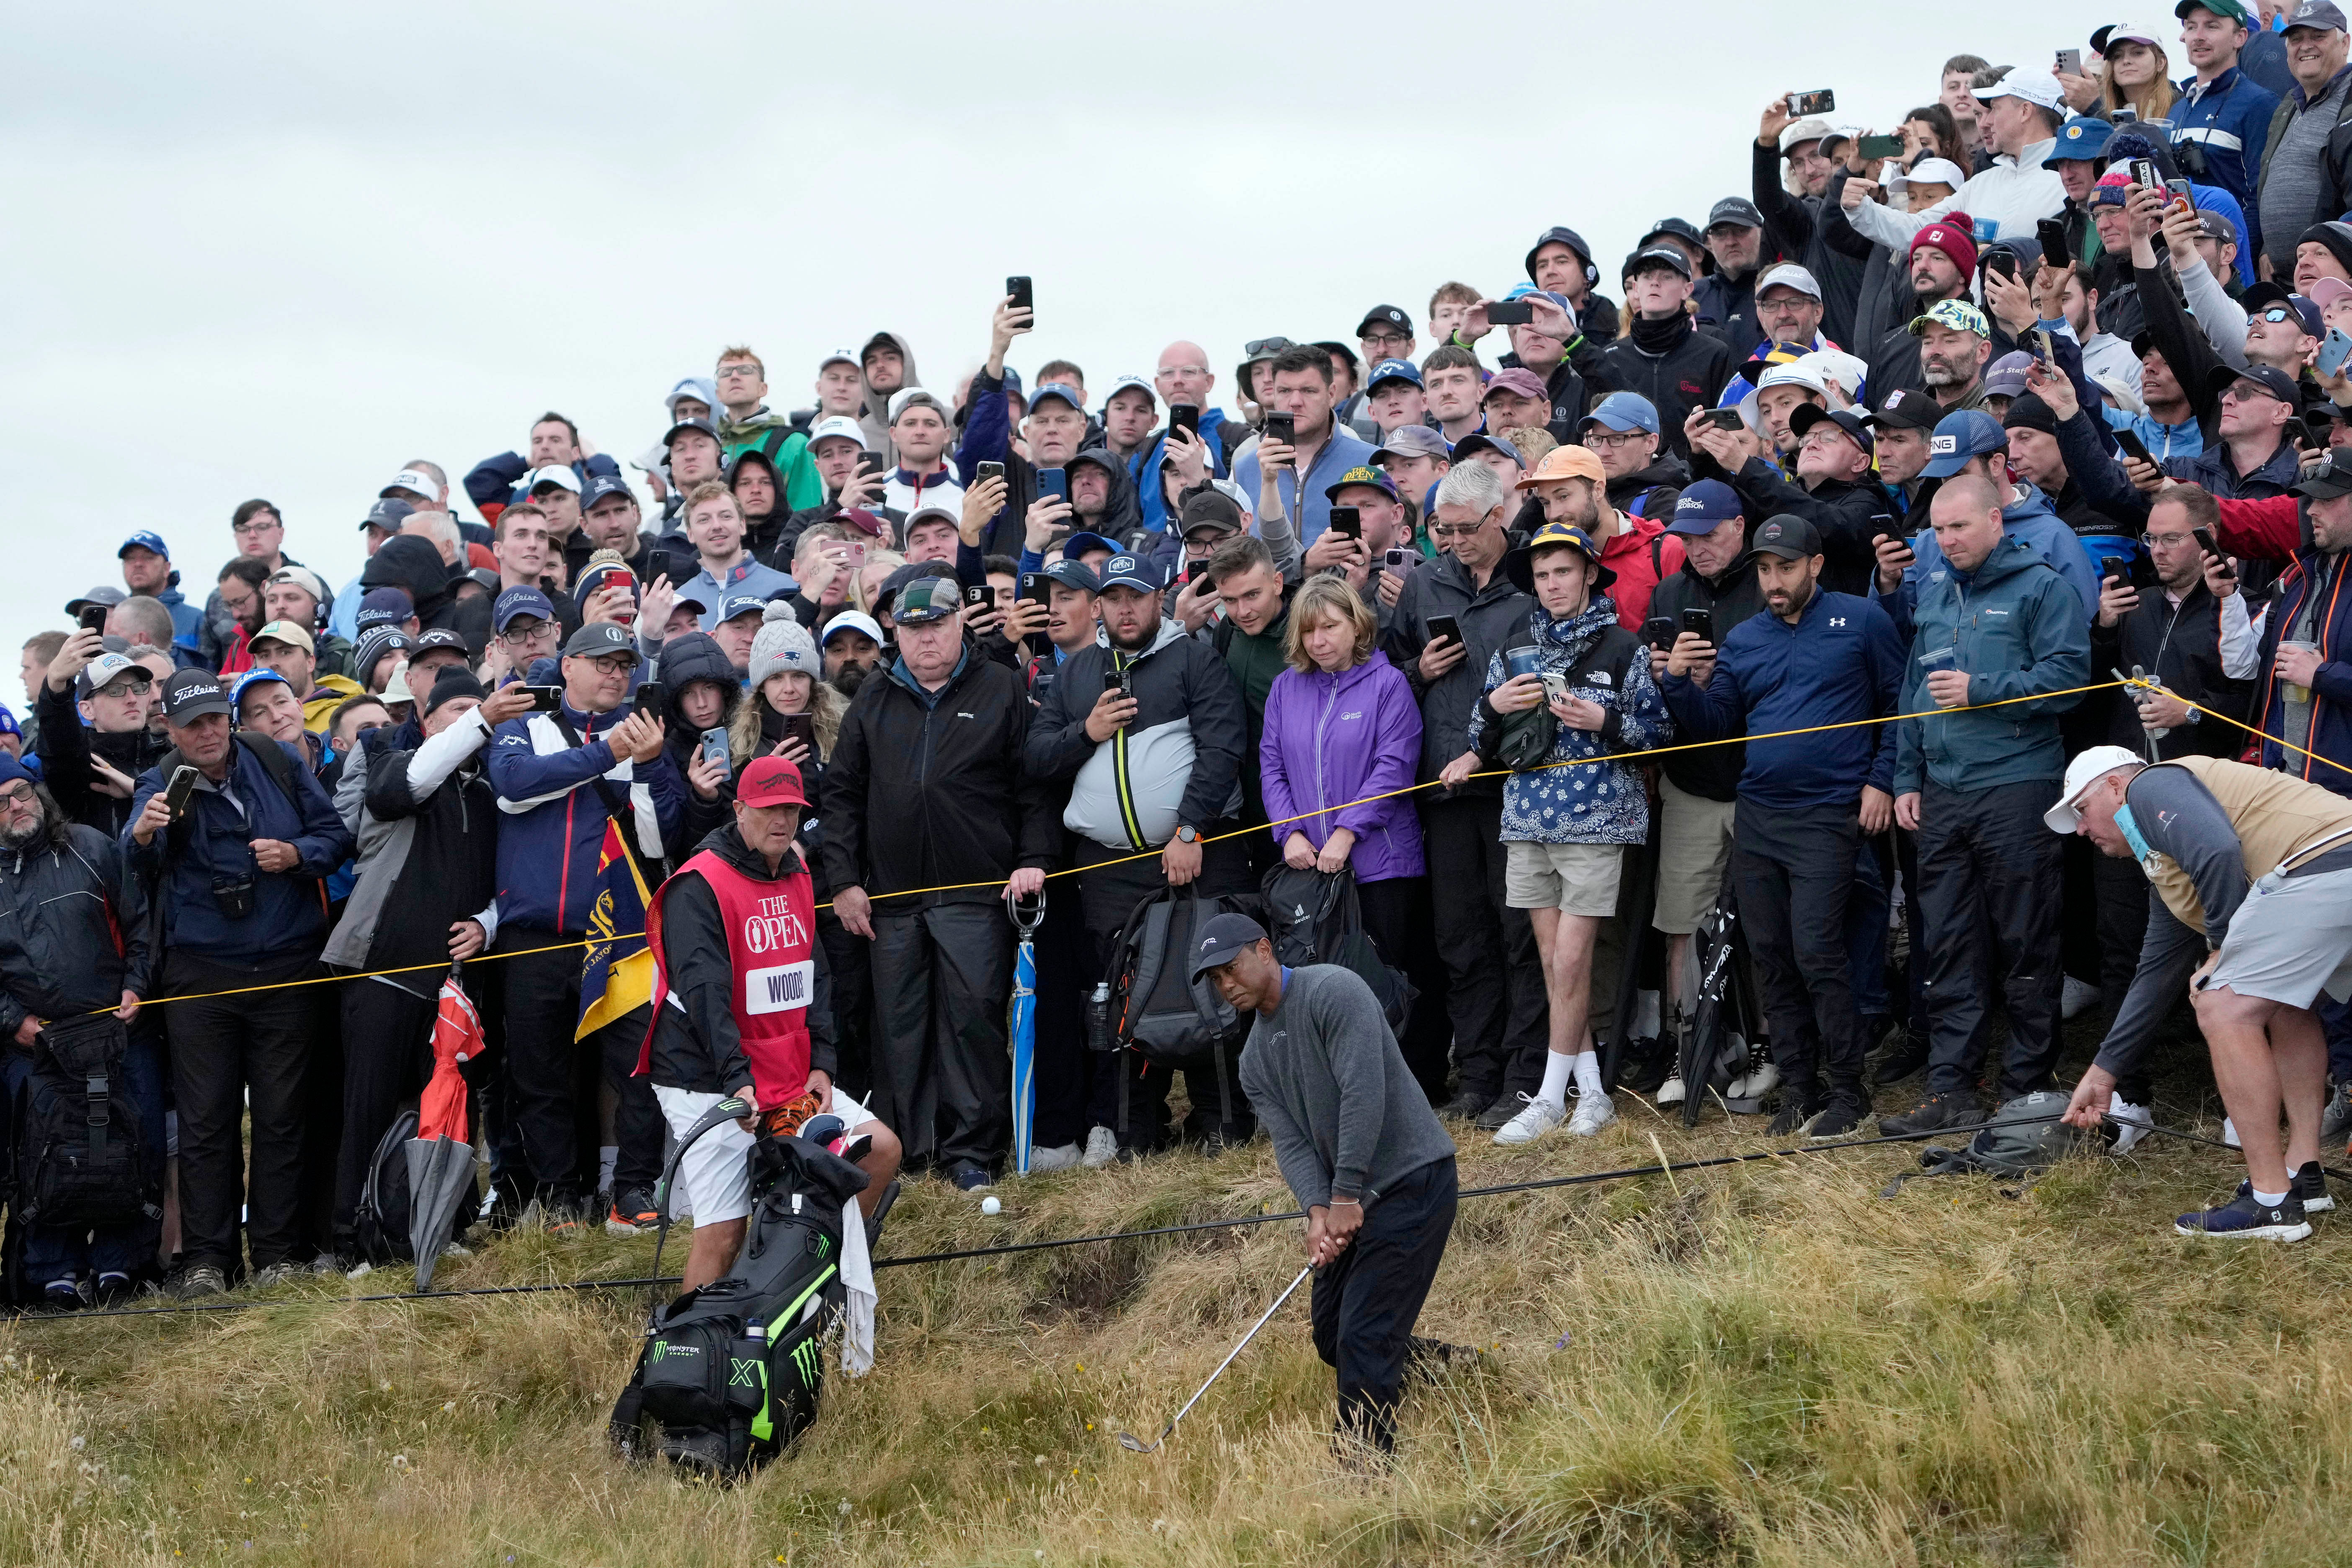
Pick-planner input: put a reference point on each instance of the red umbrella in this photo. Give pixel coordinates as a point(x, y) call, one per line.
point(456, 1037)
point(440, 1161)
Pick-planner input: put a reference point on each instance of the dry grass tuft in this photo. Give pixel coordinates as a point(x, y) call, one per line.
point(1770, 1365)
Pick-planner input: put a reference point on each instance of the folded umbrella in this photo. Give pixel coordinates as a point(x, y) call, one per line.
point(440, 1160)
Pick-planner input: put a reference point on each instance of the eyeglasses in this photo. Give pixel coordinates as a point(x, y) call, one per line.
point(1384, 340)
point(737, 372)
point(18, 794)
point(261, 524)
point(2165, 541)
point(1451, 531)
point(615, 663)
point(1168, 370)
point(529, 634)
point(2244, 394)
point(1610, 440)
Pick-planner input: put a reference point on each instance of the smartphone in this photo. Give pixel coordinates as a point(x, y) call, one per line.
point(870, 463)
point(989, 471)
point(802, 727)
point(1282, 428)
point(176, 793)
point(1555, 687)
point(2052, 234)
point(1348, 520)
point(1879, 146)
point(1396, 560)
point(1726, 419)
point(1701, 623)
point(1036, 587)
point(2332, 352)
point(545, 699)
point(978, 596)
point(1023, 297)
point(2123, 116)
point(653, 700)
point(714, 750)
point(2004, 262)
point(2143, 172)
point(2133, 448)
point(1801, 104)
point(1053, 483)
point(1116, 680)
point(1184, 416)
point(2205, 543)
point(1446, 627)
point(2070, 62)
point(1658, 631)
point(2181, 194)
point(2113, 566)
point(1510, 314)
point(93, 618)
point(2038, 339)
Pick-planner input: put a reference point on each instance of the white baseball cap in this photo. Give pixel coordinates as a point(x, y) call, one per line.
point(842, 356)
point(2090, 765)
point(558, 474)
point(1150, 397)
point(2031, 83)
point(853, 621)
point(416, 482)
point(837, 424)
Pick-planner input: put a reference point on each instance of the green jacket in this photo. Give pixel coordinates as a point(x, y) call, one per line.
point(785, 447)
point(2017, 628)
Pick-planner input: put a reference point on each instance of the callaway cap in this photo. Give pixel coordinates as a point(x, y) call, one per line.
point(190, 694)
point(600, 639)
point(1970, 433)
point(145, 539)
point(770, 781)
point(1223, 938)
point(1393, 370)
point(1788, 536)
point(2090, 765)
point(853, 621)
point(1703, 505)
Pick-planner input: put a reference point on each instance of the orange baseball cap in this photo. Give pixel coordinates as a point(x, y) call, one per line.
point(1566, 463)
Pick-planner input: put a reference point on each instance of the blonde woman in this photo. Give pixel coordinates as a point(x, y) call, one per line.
point(2138, 75)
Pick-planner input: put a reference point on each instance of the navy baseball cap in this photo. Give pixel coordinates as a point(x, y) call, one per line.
point(144, 540)
point(1682, 228)
point(383, 607)
point(1393, 370)
point(1478, 441)
point(1125, 571)
point(1704, 505)
point(190, 694)
point(521, 602)
point(386, 514)
point(1970, 433)
point(602, 485)
point(1075, 575)
point(2079, 141)
point(1737, 211)
point(1623, 410)
point(2275, 382)
point(1078, 543)
point(1061, 389)
point(1559, 234)
point(1223, 938)
point(735, 605)
point(2263, 295)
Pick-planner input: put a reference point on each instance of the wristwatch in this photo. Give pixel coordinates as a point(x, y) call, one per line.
point(1188, 836)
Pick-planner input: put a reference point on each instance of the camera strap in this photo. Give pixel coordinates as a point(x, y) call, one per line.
point(616, 804)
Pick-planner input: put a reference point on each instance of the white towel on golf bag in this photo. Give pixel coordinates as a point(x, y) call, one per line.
point(857, 1278)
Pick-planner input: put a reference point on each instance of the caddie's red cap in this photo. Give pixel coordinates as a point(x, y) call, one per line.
point(771, 780)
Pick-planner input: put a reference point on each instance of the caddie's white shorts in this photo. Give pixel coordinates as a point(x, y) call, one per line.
point(714, 1180)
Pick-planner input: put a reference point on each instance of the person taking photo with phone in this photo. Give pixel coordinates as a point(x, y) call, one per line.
point(94, 739)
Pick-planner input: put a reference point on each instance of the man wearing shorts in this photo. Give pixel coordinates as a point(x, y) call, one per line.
point(741, 1007)
point(1570, 807)
point(2250, 881)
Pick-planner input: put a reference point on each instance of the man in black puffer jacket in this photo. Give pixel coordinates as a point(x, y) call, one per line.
point(428, 892)
point(73, 942)
point(1675, 366)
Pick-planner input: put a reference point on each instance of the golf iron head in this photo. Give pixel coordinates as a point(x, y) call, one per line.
point(1135, 1444)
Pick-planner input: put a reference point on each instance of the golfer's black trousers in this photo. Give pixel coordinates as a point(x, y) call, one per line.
point(1366, 1301)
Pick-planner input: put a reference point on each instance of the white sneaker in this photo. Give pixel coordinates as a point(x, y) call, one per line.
point(1062, 1157)
point(1760, 1078)
point(2077, 997)
point(1670, 1091)
point(1538, 1118)
point(2230, 1133)
point(1102, 1148)
point(1593, 1112)
point(2132, 1121)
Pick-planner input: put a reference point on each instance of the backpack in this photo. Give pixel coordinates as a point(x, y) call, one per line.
point(380, 1223)
point(1155, 1006)
point(730, 1374)
point(1315, 917)
point(79, 1159)
point(2025, 1137)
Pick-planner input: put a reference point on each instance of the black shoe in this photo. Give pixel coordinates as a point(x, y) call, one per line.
point(1506, 1106)
point(2311, 1186)
point(1903, 1057)
point(2243, 1218)
point(113, 1289)
point(631, 1210)
point(1468, 1104)
point(1935, 1113)
point(1648, 1064)
point(970, 1179)
point(1839, 1118)
point(1794, 1113)
point(62, 1296)
point(1430, 1360)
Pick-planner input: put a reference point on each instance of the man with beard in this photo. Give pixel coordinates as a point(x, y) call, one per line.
point(73, 943)
point(1955, 344)
point(94, 739)
point(1833, 491)
point(1943, 257)
point(1153, 761)
point(239, 589)
point(749, 425)
point(853, 645)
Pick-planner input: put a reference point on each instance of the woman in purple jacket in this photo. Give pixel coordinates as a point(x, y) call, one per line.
point(1341, 725)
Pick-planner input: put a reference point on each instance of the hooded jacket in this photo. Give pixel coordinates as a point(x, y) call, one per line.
point(694, 1044)
point(428, 853)
point(2314, 596)
point(1334, 738)
point(1591, 794)
point(1651, 491)
point(782, 448)
point(1491, 618)
point(1675, 364)
point(926, 789)
point(553, 830)
point(875, 418)
point(988, 439)
point(65, 745)
point(1122, 516)
point(1731, 598)
point(2018, 630)
point(2029, 518)
point(410, 563)
point(760, 533)
point(1643, 554)
point(697, 655)
point(73, 928)
point(1177, 763)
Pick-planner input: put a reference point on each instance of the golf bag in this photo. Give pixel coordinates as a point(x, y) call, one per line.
point(731, 1374)
point(1149, 1003)
point(79, 1160)
point(1314, 916)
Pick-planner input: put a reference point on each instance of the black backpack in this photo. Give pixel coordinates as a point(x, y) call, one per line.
point(380, 1223)
point(1156, 1007)
point(79, 1160)
point(1315, 917)
point(731, 1374)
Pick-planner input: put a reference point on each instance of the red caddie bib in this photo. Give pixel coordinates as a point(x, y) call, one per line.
point(771, 935)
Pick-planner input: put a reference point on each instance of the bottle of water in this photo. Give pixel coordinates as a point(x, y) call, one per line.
point(1098, 1017)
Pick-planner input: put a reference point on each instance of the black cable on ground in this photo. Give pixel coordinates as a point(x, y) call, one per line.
point(1007, 1249)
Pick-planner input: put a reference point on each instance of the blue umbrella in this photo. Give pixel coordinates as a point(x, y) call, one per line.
point(1027, 916)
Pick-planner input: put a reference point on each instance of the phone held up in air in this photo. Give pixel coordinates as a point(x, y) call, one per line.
point(2143, 173)
point(2204, 537)
point(182, 785)
point(1282, 428)
point(1186, 417)
point(1701, 625)
point(1510, 314)
point(2051, 235)
point(653, 700)
point(545, 699)
point(2070, 62)
point(1023, 296)
point(93, 618)
point(989, 471)
point(1036, 587)
point(714, 750)
point(1879, 146)
point(1053, 484)
point(1801, 104)
point(978, 596)
point(2333, 350)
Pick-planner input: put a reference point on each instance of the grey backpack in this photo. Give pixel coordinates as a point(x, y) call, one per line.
point(2025, 1139)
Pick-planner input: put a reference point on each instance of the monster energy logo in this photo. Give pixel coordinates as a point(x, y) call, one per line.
point(823, 1243)
point(742, 1373)
point(804, 1362)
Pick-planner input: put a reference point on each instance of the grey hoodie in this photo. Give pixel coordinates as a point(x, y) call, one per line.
point(875, 420)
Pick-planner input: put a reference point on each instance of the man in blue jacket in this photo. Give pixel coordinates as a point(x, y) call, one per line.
point(560, 777)
point(1967, 443)
point(2223, 123)
point(1805, 802)
point(1994, 624)
point(240, 903)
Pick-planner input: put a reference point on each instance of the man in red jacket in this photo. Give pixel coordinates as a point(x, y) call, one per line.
point(1573, 488)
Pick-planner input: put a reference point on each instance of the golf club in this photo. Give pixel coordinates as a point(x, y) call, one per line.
point(731, 1109)
point(1135, 1444)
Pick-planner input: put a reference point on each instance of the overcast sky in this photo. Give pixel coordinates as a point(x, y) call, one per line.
point(276, 250)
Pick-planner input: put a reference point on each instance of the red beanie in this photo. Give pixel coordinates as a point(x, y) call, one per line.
point(1950, 234)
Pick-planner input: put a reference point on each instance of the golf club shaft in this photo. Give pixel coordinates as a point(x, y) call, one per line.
point(1237, 1350)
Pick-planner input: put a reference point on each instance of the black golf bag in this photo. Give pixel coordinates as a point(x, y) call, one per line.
point(731, 1374)
point(1315, 917)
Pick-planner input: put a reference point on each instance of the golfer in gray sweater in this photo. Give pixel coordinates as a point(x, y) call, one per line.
point(1363, 1153)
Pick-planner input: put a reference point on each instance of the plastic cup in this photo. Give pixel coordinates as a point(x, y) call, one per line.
point(2297, 693)
point(1527, 660)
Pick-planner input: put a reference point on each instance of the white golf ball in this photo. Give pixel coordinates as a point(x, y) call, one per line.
point(991, 1205)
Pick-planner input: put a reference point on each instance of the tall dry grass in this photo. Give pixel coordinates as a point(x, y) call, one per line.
point(1770, 1365)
